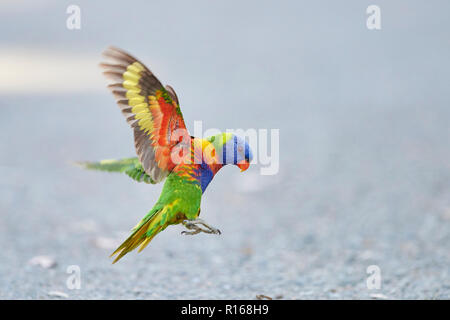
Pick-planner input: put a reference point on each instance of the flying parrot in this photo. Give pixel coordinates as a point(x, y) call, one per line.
point(165, 150)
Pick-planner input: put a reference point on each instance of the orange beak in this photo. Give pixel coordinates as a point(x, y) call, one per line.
point(243, 165)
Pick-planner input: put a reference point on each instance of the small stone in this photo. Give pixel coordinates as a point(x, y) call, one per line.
point(45, 262)
point(105, 243)
point(367, 255)
point(58, 294)
point(378, 296)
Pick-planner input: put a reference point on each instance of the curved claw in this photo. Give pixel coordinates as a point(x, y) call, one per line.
point(190, 233)
point(193, 224)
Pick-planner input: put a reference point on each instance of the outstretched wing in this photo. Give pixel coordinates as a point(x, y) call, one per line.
point(151, 109)
point(131, 166)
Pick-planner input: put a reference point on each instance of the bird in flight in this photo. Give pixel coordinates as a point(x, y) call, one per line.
point(165, 150)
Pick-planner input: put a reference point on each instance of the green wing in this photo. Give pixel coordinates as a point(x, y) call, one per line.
point(131, 166)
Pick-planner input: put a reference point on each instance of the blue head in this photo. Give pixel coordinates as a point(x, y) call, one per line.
point(232, 149)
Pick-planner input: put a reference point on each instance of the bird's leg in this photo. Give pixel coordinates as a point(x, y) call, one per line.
point(191, 226)
point(212, 229)
point(191, 233)
point(196, 222)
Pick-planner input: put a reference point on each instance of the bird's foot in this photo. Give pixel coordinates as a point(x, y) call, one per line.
point(190, 233)
point(193, 225)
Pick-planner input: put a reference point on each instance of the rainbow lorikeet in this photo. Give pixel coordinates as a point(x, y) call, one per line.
point(165, 150)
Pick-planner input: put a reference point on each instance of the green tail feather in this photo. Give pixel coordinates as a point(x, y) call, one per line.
point(153, 223)
point(131, 166)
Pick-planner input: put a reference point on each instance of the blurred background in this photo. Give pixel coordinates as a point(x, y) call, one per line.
point(364, 173)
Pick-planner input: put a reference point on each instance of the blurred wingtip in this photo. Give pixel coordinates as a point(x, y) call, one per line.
point(79, 164)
